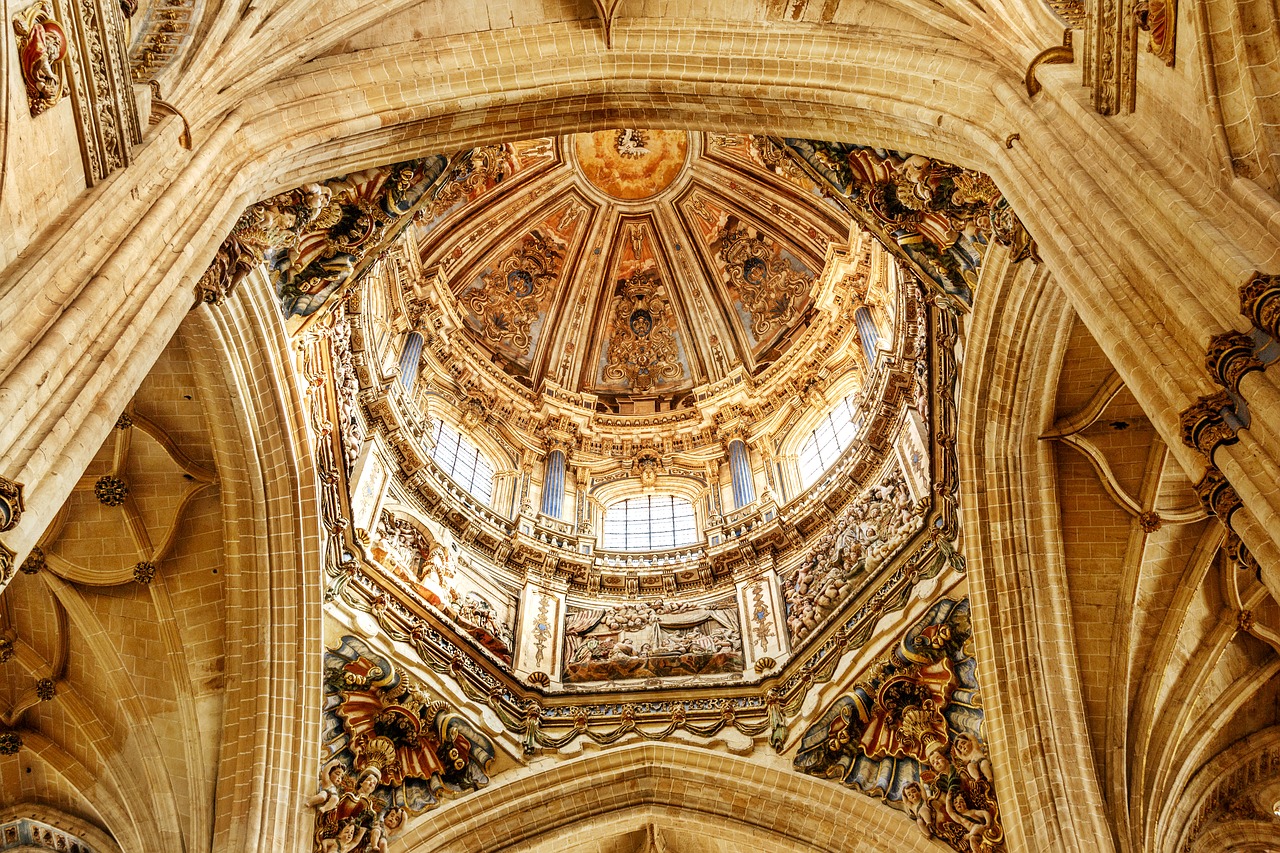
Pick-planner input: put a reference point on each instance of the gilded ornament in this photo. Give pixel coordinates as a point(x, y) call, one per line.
point(42, 47)
point(766, 283)
point(642, 342)
point(1149, 521)
point(1159, 19)
point(124, 421)
point(11, 504)
point(1231, 357)
point(7, 649)
point(34, 562)
point(7, 556)
point(1204, 424)
point(46, 689)
point(1260, 302)
point(538, 678)
point(144, 572)
point(1217, 495)
point(110, 490)
point(765, 664)
point(1244, 620)
point(508, 300)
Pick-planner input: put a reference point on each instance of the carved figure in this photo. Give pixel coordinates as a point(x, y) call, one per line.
point(907, 732)
point(42, 45)
point(332, 779)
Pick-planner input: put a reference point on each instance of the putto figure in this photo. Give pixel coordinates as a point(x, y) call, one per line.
point(42, 45)
point(393, 751)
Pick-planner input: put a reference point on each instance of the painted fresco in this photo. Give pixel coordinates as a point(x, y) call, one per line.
point(432, 571)
point(642, 351)
point(507, 301)
point(652, 640)
point(867, 532)
point(910, 732)
point(631, 164)
point(759, 153)
point(767, 283)
point(480, 170)
point(391, 750)
point(941, 216)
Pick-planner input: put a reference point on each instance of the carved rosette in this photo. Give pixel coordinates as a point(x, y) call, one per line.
point(34, 563)
point(110, 491)
point(7, 649)
point(1204, 425)
point(10, 743)
point(144, 572)
point(1218, 495)
point(1149, 521)
point(46, 689)
point(1260, 302)
point(1230, 358)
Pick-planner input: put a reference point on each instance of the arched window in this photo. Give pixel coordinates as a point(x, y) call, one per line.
point(409, 357)
point(649, 523)
point(463, 462)
point(868, 332)
point(827, 441)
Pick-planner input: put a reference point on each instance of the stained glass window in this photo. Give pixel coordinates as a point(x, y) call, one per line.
point(649, 523)
point(827, 441)
point(463, 462)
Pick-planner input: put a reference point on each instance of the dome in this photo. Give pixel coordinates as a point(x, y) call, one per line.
point(631, 266)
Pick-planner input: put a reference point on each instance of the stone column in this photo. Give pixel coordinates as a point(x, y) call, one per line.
point(744, 489)
point(553, 484)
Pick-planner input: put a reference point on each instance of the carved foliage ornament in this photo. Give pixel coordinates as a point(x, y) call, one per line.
point(1230, 358)
point(508, 301)
point(1260, 302)
point(42, 47)
point(1205, 426)
point(11, 505)
point(769, 287)
point(642, 343)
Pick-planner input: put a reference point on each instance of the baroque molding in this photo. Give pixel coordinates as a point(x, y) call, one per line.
point(1260, 302)
point(42, 56)
point(1057, 55)
point(1230, 357)
point(105, 111)
point(1204, 423)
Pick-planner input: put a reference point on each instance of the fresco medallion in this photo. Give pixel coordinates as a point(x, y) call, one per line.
point(630, 164)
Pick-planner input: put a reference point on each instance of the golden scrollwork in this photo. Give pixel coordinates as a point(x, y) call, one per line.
point(769, 287)
point(508, 300)
point(42, 47)
point(642, 346)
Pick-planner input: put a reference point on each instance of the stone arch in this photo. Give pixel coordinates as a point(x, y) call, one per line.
point(673, 785)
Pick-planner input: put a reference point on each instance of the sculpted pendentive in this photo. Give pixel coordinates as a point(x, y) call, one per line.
point(392, 750)
point(910, 732)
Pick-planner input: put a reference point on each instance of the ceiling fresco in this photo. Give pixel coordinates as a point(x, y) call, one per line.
point(679, 257)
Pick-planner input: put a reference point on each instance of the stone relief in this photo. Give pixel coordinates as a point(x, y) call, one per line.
point(509, 298)
point(391, 750)
point(872, 528)
point(909, 732)
point(651, 640)
point(432, 572)
point(314, 237)
point(767, 283)
point(42, 47)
